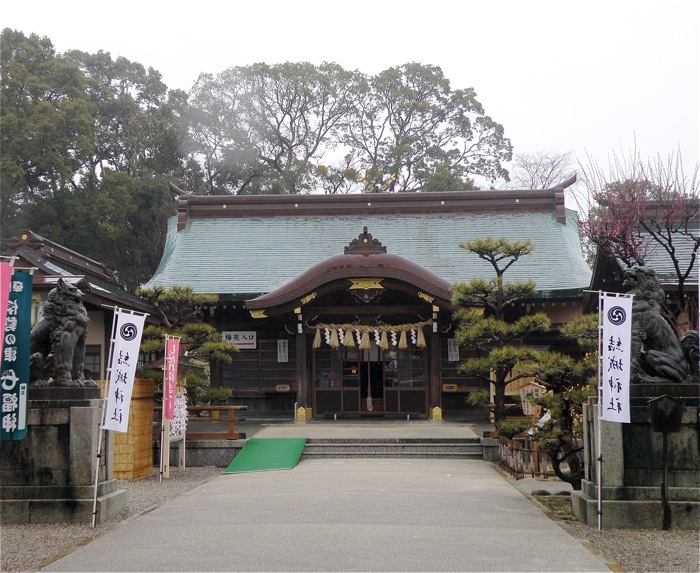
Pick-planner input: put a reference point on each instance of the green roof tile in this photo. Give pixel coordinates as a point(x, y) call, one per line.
point(251, 256)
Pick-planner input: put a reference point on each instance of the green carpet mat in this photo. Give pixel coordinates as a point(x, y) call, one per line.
point(260, 454)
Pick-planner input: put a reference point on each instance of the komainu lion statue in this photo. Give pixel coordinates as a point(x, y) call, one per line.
point(58, 340)
point(690, 343)
point(657, 353)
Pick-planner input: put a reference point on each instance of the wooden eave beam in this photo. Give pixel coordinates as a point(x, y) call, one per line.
point(370, 204)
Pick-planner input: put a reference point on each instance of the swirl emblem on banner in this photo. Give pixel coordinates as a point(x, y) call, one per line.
point(128, 331)
point(617, 315)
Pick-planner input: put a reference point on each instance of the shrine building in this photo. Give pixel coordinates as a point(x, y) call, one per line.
point(50, 261)
point(341, 304)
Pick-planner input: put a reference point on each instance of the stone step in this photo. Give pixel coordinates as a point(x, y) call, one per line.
point(399, 448)
point(476, 441)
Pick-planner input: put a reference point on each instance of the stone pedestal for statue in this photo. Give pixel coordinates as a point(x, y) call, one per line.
point(632, 473)
point(49, 476)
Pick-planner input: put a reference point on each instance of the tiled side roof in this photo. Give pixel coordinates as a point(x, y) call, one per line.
point(65, 260)
point(659, 260)
point(255, 255)
point(101, 291)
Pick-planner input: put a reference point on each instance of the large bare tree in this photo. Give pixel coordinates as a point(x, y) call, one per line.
point(541, 169)
point(261, 128)
point(410, 126)
point(295, 128)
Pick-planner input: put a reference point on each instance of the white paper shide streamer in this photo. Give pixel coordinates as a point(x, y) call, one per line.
point(178, 425)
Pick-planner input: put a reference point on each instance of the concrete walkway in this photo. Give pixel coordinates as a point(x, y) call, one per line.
point(343, 515)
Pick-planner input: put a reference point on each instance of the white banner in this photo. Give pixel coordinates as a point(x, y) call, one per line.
point(615, 367)
point(125, 354)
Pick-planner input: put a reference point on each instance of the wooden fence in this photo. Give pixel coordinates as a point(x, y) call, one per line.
point(218, 417)
point(521, 457)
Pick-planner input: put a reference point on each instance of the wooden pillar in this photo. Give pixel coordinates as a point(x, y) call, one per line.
point(435, 372)
point(302, 375)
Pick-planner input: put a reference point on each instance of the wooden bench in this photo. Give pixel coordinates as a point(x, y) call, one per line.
point(230, 420)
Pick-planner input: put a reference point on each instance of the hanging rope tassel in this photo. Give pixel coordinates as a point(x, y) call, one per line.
point(351, 335)
point(334, 338)
point(349, 341)
point(420, 339)
point(384, 341)
point(364, 341)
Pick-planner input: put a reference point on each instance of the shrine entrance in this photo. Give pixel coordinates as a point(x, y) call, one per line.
point(367, 328)
point(371, 385)
point(369, 382)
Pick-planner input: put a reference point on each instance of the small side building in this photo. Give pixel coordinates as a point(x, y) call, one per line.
point(341, 304)
point(51, 262)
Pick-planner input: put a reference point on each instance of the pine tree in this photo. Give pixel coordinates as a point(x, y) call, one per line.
point(485, 328)
point(182, 314)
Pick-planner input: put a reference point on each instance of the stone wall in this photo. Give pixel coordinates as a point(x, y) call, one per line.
point(49, 476)
point(632, 472)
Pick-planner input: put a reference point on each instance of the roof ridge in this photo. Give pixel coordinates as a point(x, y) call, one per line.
point(38, 243)
point(371, 204)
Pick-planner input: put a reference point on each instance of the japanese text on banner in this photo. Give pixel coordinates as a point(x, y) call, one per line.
point(125, 353)
point(615, 367)
point(172, 352)
point(14, 372)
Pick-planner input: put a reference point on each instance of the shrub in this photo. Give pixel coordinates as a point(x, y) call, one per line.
point(510, 428)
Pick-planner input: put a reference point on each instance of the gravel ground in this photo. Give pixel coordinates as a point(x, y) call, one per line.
point(29, 547)
point(631, 550)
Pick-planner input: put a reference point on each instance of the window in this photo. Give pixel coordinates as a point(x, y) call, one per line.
point(93, 362)
point(328, 368)
point(258, 370)
point(451, 375)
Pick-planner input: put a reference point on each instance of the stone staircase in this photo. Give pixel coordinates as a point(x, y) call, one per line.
point(455, 448)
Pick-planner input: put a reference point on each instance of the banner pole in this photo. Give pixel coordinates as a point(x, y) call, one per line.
point(160, 469)
point(599, 431)
point(170, 364)
point(101, 429)
point(162, 413)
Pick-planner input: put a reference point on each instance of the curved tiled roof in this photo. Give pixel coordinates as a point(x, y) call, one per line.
point(356, 266)
point(243, 254)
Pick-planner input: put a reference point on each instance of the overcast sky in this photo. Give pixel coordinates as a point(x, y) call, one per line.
point(590, 77)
